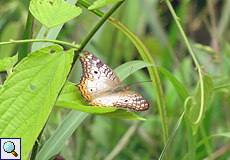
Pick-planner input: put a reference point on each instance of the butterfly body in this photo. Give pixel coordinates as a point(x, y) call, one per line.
point(101, 86)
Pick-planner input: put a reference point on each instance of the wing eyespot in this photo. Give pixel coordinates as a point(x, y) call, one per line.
point(96, 72)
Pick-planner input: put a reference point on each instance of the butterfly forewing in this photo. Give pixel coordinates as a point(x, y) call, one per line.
point(100, 85)
point(97, 78)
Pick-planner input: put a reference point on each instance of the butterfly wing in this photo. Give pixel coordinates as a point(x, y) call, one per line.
point(123, 99)
point(97, 78)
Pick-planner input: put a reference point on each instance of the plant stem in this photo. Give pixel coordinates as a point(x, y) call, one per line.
point(99, 24)
point(94, 30)
point(24, 48)
point(191, 137)
point(40, 40)
point(200, 72)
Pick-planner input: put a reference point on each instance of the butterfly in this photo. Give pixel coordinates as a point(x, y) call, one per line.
point(101, 86)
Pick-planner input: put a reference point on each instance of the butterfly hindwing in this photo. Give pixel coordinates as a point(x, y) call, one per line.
point(125, 99)
point(132, 100)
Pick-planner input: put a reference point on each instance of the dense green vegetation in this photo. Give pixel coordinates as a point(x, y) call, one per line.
point(186, 44)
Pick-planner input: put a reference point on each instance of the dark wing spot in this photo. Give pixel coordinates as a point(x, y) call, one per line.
point(99, 64)
point(126, 100)
point(96, 72)
point(91, 90)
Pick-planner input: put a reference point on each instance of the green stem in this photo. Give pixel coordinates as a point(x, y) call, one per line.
point(86, 5)
point(200, 72)
point(191, 137)
point(208, 147)
point(182, 32)
point(24, 48)
point(40, 40)
point(98, 25)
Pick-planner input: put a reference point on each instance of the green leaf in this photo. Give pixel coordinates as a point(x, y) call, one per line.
point(201, 142)
point(226, 134)
point(52, 13)
point(171, 136)
point(181, 91)
point(199, 105)
point(101, 3)
point(30, 92)
point(8, 63)
point(123, 70)
point(123, 114)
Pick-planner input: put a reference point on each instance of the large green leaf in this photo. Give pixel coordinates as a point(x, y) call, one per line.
point(52, 13)
point(29, 94)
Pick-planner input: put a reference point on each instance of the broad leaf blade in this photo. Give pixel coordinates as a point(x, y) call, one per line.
point(30, 92)
point(52, 13)
point(101, 3)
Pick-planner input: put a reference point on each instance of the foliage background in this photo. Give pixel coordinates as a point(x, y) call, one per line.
point(205, 23)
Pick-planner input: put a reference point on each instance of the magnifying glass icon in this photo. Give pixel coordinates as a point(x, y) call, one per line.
point(9, 147)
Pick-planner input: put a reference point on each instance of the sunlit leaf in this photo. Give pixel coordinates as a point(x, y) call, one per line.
point(52, 13)
point(30, 92)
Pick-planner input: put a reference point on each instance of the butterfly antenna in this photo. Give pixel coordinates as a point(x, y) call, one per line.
point(136, 82)
point(141, 82)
